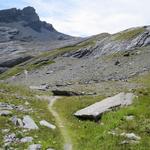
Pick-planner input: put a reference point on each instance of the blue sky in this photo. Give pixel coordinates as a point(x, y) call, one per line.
point(88, 17)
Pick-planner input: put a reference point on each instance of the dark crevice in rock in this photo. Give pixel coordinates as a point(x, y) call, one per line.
point(65, 93)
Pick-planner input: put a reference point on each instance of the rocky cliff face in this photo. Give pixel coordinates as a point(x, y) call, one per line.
point(111, 44)
point(28, 17)
point(22, 34)
point(10, 15)
point(27, 23)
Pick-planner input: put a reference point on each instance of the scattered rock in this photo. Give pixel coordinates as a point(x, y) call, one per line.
point(26, 139)
point(96, 110)
point(5, 130)
point(20, 108)
point(10, 138)
point(41, 87)
point(129, 142)
point(14, 120)
point(91, 93)
point(129, 118)
point(112, 133)
point(17, 121)
point(24, 130)
point(21, 97)
point(47, 124)
point(27, 103)
point(5, 113)
point(83, 52)
point(126, 54)
point(15, 61)
point(29, 123)
point(65, 93)
point(35, 147)
point(3, 69)
point(50, 72)
point(117, 62)
point(131, 136)
point(5, 106)
point(124, 142)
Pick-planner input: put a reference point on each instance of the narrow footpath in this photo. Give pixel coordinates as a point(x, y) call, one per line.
point(59, 121)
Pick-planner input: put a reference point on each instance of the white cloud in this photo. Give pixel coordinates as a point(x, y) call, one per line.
point(87, 17)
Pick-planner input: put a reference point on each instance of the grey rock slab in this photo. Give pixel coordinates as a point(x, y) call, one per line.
point(5, 113)
point(29, 123)
point(5, 106)
point(14, 120)
point(10, 138)
point(35, 147)
point(47, 124)
point(131, 136)
point(129, 118)
point(26, 139)
point(3, 69)
point(129, 142)
point(94, 111)
point(41, 87)
point(11, 62)
point(17, 121)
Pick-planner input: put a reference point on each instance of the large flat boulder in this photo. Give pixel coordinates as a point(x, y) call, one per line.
point(96, 110)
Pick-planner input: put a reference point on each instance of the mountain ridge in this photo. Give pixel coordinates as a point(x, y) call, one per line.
point(23, 35)
point(27, 14)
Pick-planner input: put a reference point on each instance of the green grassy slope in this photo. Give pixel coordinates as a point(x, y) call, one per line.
point(88, 135)
point(128, 34)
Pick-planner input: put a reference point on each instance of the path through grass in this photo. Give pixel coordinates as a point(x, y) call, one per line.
point(59, 121)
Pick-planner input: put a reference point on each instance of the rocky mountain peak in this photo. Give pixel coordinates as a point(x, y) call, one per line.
point(29, 14)
point(26, 17)
point(13, 15)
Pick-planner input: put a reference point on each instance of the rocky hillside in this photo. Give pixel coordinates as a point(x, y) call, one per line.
point(89, 65)
point(126, 40)
point(23, 35)
point(57, 91)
